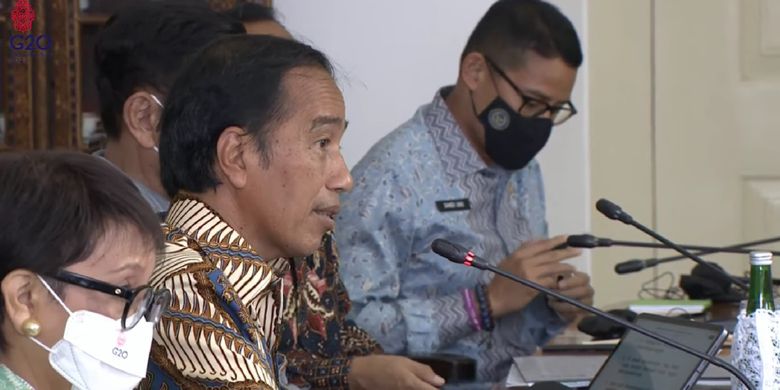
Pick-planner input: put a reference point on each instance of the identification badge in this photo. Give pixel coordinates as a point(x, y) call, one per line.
point(453, 205)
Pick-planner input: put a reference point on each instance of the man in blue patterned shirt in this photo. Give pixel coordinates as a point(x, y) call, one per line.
point(463, 169)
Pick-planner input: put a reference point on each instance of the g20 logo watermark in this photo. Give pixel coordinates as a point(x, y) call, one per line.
point(30, 42)
point(24, 44)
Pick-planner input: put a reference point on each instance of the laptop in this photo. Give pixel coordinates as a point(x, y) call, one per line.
point(639, 362)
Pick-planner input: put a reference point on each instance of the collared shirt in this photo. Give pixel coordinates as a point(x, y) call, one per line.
point(219, 329)
point(317, 339)
point(421, 182)
point(158, 202)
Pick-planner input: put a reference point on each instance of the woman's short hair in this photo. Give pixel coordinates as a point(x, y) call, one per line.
point(56, 206)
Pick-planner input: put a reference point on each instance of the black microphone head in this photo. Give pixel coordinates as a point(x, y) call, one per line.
point(630, 266)
point(582, 241)
point(450, 251)
point(458, 254)
point(612, 211)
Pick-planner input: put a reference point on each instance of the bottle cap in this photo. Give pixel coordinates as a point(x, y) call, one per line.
point(760, 258)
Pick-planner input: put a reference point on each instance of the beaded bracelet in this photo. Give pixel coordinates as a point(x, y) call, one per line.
point(484, 307)
point(468, 302)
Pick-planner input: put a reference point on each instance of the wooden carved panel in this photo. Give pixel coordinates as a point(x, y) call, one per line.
point(41, 93)
point(3, 78)
point(40, 76)
point(66, 96)
point(24, 91)
point(18, 97)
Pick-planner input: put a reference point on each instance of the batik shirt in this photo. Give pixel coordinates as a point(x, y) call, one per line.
point(226, 305)
point(421, 182)
point(317, 339)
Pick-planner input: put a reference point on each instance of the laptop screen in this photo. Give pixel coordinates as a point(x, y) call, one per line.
point(641, 363)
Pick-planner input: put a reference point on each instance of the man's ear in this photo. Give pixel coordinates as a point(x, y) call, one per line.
point(141, 115)
point(473, 69)
point(233, 157)
point(20, 296)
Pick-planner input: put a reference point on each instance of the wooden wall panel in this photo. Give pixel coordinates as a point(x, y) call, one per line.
point(41, 91)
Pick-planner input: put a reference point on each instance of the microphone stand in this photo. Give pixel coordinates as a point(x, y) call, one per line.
point(589, 241)
point(613, 211)
point(654, 261)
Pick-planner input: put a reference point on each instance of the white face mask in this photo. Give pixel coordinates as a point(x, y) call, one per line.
point(156, 100)
point(95, 353)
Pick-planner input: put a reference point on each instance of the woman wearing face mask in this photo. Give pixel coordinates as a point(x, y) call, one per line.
point(77, 249)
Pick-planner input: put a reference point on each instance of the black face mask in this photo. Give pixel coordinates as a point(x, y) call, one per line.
point(512, 140)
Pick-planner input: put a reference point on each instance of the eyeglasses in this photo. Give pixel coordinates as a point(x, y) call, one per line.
point(532, 107)
point(142, 302)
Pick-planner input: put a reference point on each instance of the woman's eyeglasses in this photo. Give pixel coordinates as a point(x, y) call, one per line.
point(141, 302)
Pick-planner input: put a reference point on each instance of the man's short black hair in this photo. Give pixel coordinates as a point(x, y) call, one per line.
point(146, 45)
point(252, 12)
point(57, 206)
point(512, 27)
point(235, 81)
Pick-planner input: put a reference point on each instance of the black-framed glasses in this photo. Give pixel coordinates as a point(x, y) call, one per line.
point(533, 107)
point(142, 302)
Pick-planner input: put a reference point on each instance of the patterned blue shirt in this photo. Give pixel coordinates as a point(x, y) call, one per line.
point(403, 294)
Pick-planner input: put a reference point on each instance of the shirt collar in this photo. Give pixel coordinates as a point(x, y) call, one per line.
point(157, 202)
point(455, 151)
point(251, 277)
point(198, 221)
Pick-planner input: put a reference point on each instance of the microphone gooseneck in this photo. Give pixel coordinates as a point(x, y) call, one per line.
point(625, 267)
point(613, 211)
point(590, 241)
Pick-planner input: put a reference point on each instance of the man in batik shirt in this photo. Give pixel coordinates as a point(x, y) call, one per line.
point(249, 145)
point(250, 155)
point(324, 350)
point(317, 339)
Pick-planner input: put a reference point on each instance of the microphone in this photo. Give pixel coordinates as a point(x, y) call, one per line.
point(458, 254)
point(590, 241)
point(635, 265)
point(613, 211)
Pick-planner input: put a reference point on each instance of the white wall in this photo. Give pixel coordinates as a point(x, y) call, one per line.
point(392, 56)
point(621, 136)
